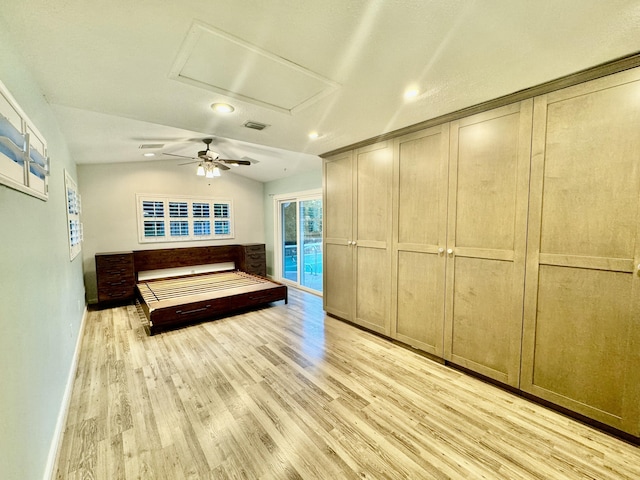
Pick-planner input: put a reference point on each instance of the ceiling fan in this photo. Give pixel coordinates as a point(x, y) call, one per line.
point(210, 162)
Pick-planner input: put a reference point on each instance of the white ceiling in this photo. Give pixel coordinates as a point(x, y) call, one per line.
point(123, 73)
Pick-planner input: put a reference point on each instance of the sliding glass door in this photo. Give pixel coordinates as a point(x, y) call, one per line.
point(289, 244)
point(299, 241)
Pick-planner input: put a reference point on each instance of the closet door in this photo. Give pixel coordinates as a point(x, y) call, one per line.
point(581, 345)
point(372, 240)
point(487, 222)
point(338, 281)
point(421, 162)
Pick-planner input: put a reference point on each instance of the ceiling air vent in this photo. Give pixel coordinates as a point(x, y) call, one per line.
point(151, 145)
point(255, 125)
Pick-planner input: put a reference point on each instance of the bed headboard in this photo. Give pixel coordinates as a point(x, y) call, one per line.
point(163, 258)
point(118, 272)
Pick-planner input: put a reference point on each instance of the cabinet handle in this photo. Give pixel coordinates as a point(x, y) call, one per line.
point(450, 251)
point(353, 243)
point(349, 242)
point(195, 310)
point(440, 250)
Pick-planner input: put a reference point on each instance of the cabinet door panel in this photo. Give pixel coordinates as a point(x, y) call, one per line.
point(581, 335)
point(574, 357)
point(595, 216)
point(421, 163)
point(488, 199)
point(421, 189)
point(420, 299)
point(373, 184)
point(338, 282)
point(372, 290)
point(338, 191)
point(372, 248)
point(481, 339)
point(487, 183)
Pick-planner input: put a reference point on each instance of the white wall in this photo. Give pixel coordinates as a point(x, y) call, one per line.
point(108, 193)
point(41, 295)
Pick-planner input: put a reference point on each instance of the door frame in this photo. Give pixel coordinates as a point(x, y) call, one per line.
point(277, 233)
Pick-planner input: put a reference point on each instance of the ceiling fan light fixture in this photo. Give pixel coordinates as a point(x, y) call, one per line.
point(200, 172)
point(222, 108)
point(209, 173)
point(216, 172)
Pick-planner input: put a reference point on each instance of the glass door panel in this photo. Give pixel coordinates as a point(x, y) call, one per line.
point(311, 241)
point(289, 221)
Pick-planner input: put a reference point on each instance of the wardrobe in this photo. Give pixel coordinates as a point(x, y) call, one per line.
point(357, 236)
point(506, 242)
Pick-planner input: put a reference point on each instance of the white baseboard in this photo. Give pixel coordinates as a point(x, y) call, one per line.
point(64, 406)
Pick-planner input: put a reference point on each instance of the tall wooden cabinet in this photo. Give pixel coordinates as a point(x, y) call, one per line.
point(486, 240)
point(461, 194)
point(115, 276)
point(582, 317)
point(357, 236)
point(421, 167)
point(253, 258)
point(513, 239)
point(338, 236)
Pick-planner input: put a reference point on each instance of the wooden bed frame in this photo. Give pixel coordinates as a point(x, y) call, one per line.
point(213, 297)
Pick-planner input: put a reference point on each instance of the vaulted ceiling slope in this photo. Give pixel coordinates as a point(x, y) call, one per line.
point(121, 74)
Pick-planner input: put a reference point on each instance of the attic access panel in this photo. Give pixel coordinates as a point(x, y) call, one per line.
point(215, 60)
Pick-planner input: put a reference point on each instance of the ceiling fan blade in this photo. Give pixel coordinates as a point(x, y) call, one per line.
point(188, 163)
point(181, 156)
point(235, 162)
point(221, 166)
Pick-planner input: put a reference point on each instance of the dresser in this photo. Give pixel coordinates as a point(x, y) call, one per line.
point(115, 276)
point(253, 259)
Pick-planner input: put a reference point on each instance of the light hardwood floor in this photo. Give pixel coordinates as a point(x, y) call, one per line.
point(288, 393)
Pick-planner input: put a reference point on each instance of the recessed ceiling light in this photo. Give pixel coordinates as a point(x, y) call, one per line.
point(222, 107)
point(314, 135)
point(149, 154)
point(411, 93)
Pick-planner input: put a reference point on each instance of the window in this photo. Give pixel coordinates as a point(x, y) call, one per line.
point(201, 211)
point(153, 209)
point(222, 222)
point(179, 229)
point(221, 227)
point(173, 218)
point(178, 209)
point(201, 227)
point(24, 165)
point(74, 226)
point(153, 228)
point(150, 210)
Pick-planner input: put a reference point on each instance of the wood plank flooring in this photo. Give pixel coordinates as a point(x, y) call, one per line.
point(288, 393)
